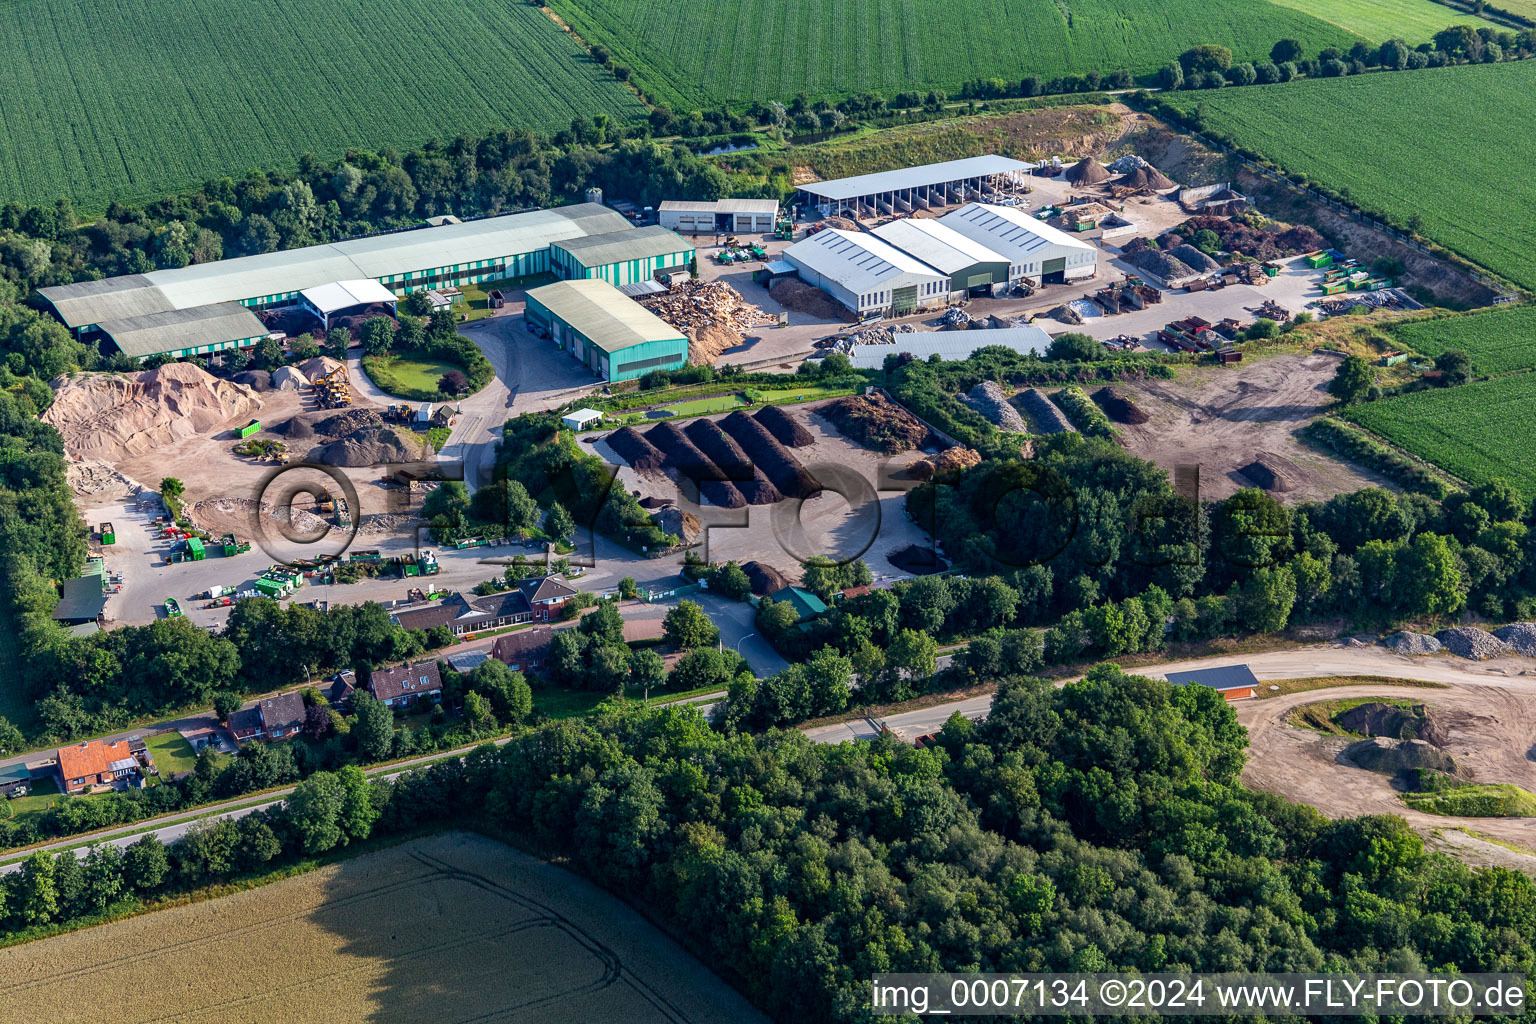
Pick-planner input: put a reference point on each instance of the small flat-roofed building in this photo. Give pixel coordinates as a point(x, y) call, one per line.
point(928, 186)
point(82, 600)
point(866, 274)
point(1233, 682)
point(581, 419)
point(1035, 251)
point(720, 216)
point(971, 266)
point(621, 257)
point(326, 300)
point(610, 333)
point(15, 780)
point(179, 333)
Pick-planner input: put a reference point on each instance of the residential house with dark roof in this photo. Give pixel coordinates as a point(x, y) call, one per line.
point(524, 650)
point(403, 685)
point(245, 725)
point(276, 718)
point(1233, 682)
point(94, 764)
point(533, 600)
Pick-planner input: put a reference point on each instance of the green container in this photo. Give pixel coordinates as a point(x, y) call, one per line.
point(108, 534)
point(250, 428)
point(1318, 261)
point(271, 588)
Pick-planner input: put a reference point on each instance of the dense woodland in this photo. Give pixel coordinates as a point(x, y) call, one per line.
point(1100, 826)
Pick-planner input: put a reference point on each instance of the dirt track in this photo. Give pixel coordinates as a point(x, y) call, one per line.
point(1222, 418)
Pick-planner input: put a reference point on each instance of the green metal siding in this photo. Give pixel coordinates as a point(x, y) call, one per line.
point(673, 352)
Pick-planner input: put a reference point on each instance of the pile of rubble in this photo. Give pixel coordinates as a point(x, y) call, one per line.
point(712, 315)
point(1066, 314)
point(955, 317)
point(989, 399)
point(1471, 642)
point(1413, 643)
point(1521, 636)
point(877, 335)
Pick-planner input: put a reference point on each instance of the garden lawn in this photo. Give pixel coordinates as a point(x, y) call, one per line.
point(1497, 340)
point(1477, 431)
point(173, 755)
point(45, 793)
point(1450, 146)
point(111, 101)
point(740, 51)
point(399, 375)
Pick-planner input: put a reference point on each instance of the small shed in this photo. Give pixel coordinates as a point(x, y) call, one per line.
point(1233, 682)
point(424, 414)
point(806, 604)
point(581, 419)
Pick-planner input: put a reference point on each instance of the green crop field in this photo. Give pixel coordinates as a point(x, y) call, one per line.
point(103, 101)
point(1497, 340)
point(1380, 20)
point(738, 51)
point(1477, 431)
point(1451, 145)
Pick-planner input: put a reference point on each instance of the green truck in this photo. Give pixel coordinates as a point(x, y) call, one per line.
point(108, 534)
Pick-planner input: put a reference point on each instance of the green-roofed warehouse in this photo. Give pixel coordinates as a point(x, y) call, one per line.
point(621, 257)
point(615, 336)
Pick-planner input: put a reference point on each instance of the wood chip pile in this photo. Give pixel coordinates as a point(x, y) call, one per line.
point(1118, 407)
point(876, 421)
point(711, 314)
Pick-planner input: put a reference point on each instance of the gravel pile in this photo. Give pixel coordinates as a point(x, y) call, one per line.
point(1413, 643)
point(1519, 635)
point(1194, 258)
point(988, 399)
point(1160, 265)
point(1471, 642)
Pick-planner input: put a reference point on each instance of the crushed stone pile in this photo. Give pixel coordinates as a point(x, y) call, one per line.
point(112, 417)
point(1126, 164)
point(287, 378)
point(988, 399)
point(711, 314)
point(1520, 636)
point(1413, 643)
point(1160, 265)
point(373, 446)
point(1194, 258)
point(765, 579)
point(878, 335)
point(1471, 642)
point(1046, 415)
point(256, 380)
point(1066, 314)
point(792, 293)
point(945, 461)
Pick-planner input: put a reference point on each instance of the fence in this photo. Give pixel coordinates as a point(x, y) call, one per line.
point(652, 596)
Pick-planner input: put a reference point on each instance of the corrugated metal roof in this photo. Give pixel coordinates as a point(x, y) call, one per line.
point(603, 314)
point(338, 295)
point(950, 345)
point(183, 328)
point(1011, 232)
point(913, 177)
point(720, 206)
point(622, 246)
point(640, 288)
point(1223, 677)
point(856, 260)
point(942, 248)
point(291, 270)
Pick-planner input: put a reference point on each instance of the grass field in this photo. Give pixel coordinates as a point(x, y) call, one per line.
point(1380, 20)
point(1497, 340)
point(1489, 800)
point(449, 928)
point(172, 754)
point(738, 51)
point(45, 793)
point(1477, 431)
point(1450, 145)
point(128, 101)
point(399, 375)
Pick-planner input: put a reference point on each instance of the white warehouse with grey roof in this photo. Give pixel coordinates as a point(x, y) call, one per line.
point(916, 188)
point(971, 266)
point(1035, 251)
point(866, 274)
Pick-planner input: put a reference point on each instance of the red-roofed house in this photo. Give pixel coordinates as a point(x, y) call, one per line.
point(96, 763)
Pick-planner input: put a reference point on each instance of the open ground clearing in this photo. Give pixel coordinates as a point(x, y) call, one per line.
point(738, 52)
point(1497, 340)
point(1476, 431)
point(454, 927)
point(1221, 418)
point(129, 102)
point(1460, 163)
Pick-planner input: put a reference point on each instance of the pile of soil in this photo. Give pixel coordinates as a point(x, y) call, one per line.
point(298, 428)
point(1087, 171)
point(1048, 418)
point(113, 417)
point(339, 424)
point(765, 579)
point(373, 446)
point(792, 293)
point(1118, 407)
point(841, 223)
point(1390, 757)
point(721, 449)
point(1413, 643)
point(917, 560)
point(286, 378)
point(256, 380)
point(684, 456)
point(989, 399)
point(876, 421)
point(634, 449)
point(1471, 642)
point(784, 427)
point(711, 313)
point(956, 458)
point(1194, 258)
point(680, 524)
point(768, 455)
point(1520, 636)
point(1273, 472)
point(1147, 176)
point(1395, 722)
point(318, 367)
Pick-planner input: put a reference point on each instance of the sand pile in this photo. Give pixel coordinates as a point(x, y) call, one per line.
point(286, 378)
point(989, 399)
point(784, 427)
point(319, 367)
point(1471, 642)
point(765, 579)
point(950, 459)
point(1413, 643)
point(93, 476)
point(1521, 636)
point(1119, 407)
point(792, 293)
point(256, 380)
point(113, 417)
point(876, 421)
point(1273, 472)
point(712, 315)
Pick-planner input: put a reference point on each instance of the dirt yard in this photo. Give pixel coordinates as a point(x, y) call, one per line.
point(1492, 728)
point(1222, 418)
point(452, 927)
